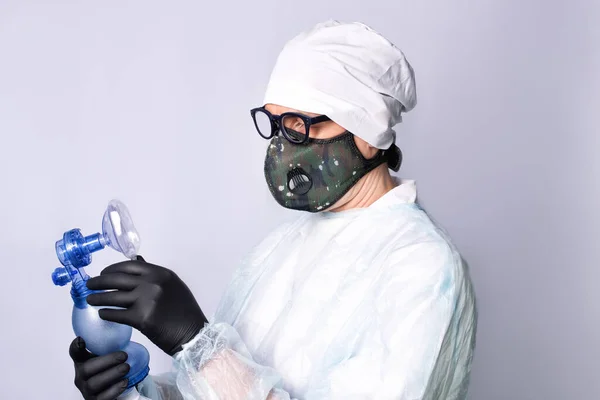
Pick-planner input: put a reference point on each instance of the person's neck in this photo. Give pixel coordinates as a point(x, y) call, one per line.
point(369, 189)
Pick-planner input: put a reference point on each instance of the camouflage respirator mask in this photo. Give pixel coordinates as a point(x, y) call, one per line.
point(314, 175)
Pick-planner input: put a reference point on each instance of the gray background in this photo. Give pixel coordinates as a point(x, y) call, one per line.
point(148, 102)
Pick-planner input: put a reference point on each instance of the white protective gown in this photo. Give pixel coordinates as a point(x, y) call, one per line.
point(371, 303)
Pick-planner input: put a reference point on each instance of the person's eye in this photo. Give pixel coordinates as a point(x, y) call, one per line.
point(294, 123)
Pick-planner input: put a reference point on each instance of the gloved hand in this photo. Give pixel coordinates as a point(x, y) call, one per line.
point(155, 301)
point(98, 377)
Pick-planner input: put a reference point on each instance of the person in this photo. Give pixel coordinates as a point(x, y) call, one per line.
point(363, 296)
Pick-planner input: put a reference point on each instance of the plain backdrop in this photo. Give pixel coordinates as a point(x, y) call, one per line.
point(149, 101)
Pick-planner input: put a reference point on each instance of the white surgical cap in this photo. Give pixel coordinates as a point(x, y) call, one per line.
point(348, 72)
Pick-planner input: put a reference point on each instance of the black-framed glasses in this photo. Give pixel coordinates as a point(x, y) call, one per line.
point(295, 127)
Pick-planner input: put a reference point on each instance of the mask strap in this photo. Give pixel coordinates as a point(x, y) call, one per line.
point(393, 156)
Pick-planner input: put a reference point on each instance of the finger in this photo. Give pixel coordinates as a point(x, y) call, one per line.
point(109, 281)
point(114, 391)
point(100, 364)
point(132, 267)
point(116, 299)
point(126, 317)
point(103, 380)
point(78, 352)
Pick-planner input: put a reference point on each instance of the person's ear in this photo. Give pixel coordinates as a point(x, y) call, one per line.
point(365, 148)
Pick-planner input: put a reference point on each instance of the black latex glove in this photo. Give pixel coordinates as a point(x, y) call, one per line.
point(98, 377)
point(156, 302)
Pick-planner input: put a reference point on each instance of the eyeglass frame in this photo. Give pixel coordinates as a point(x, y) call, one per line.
point(276, 124)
